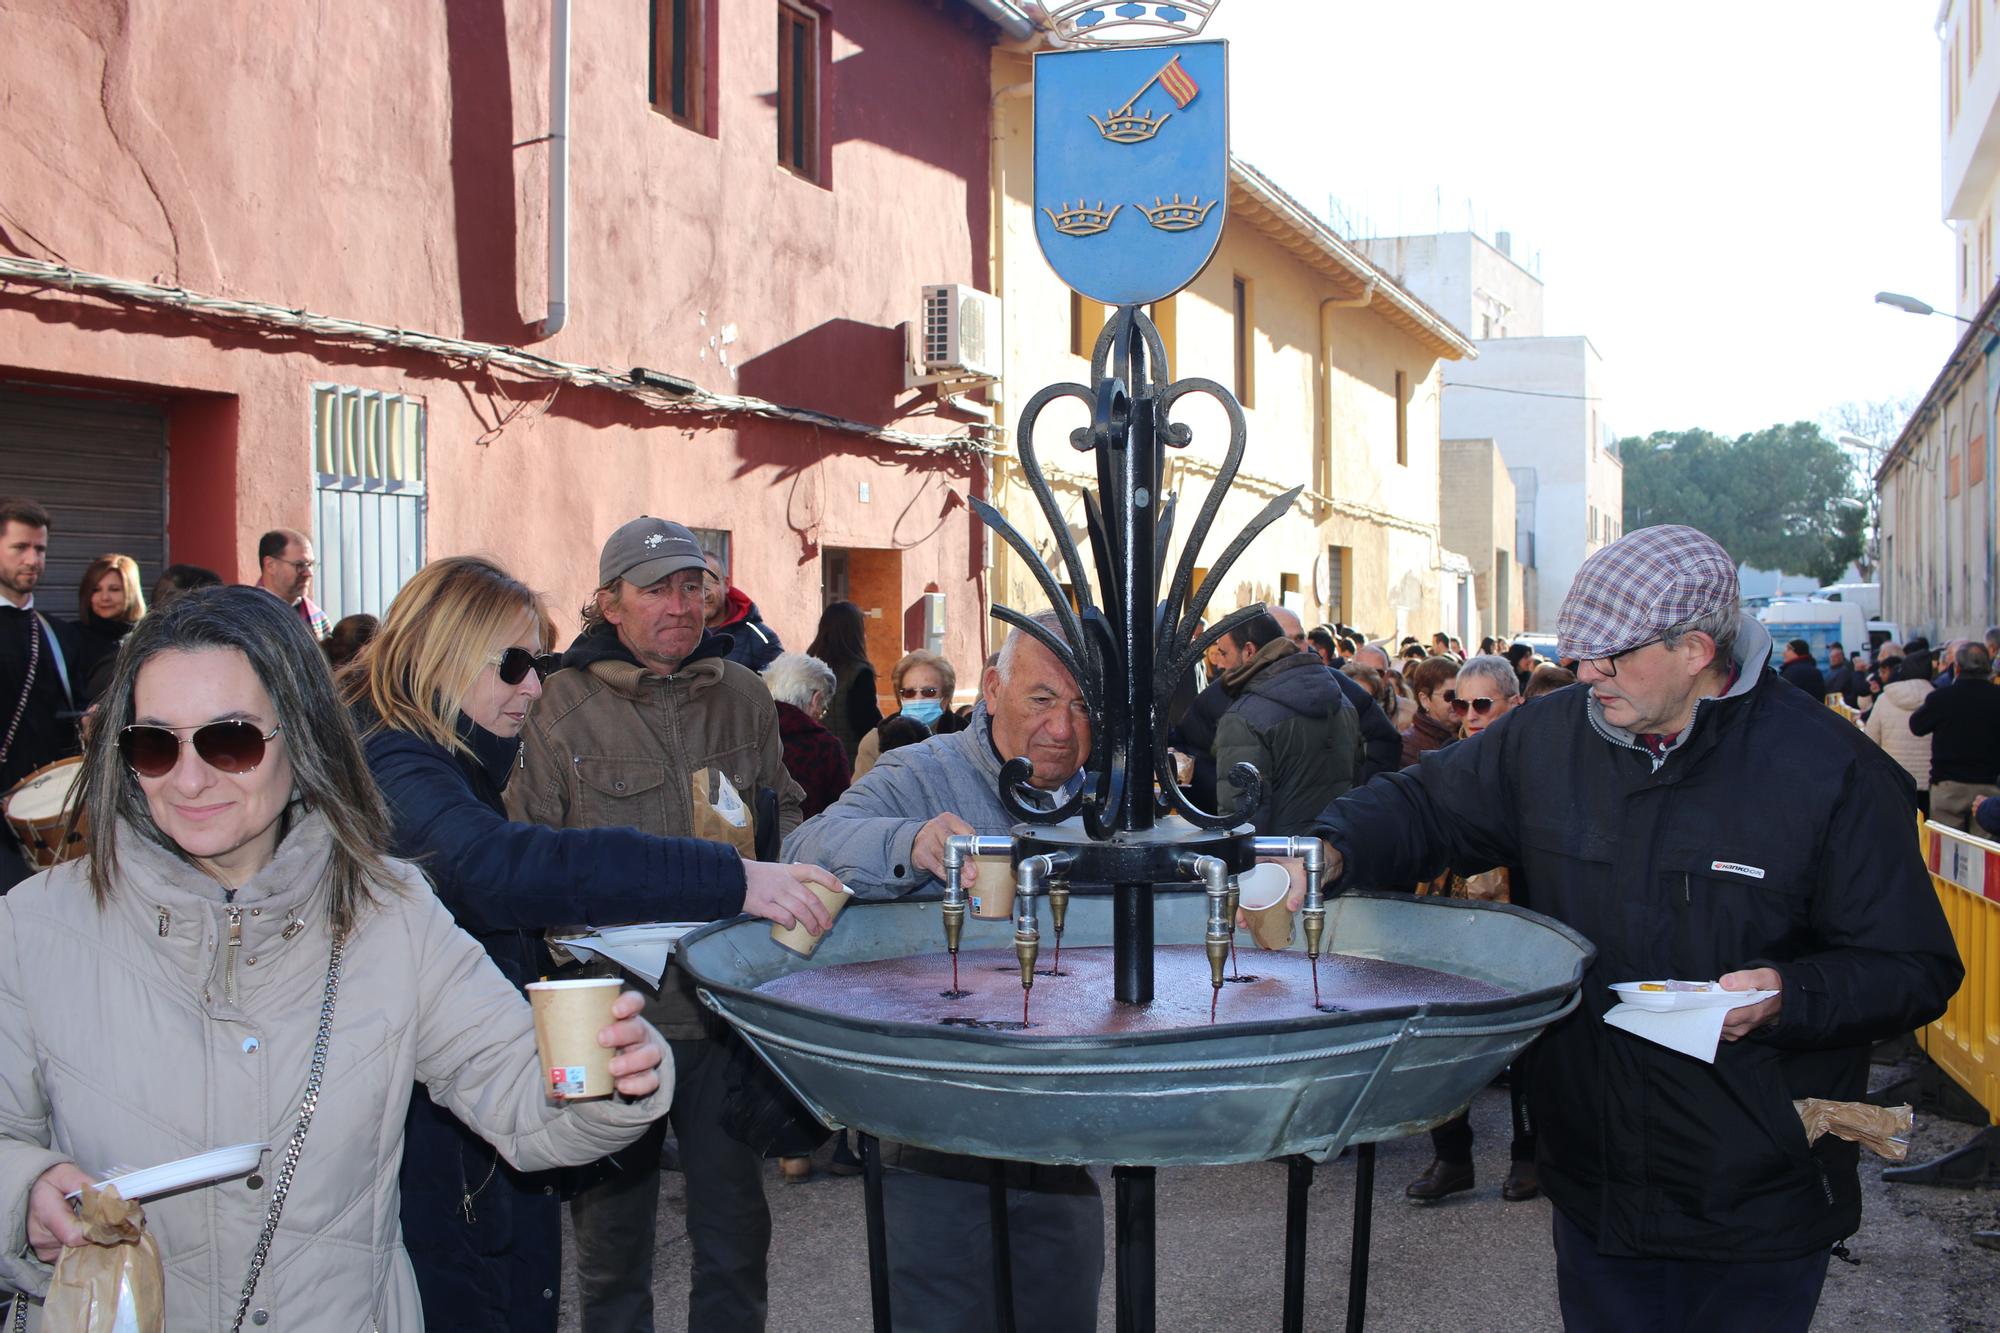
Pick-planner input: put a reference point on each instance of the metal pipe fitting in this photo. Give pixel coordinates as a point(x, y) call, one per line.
point(1312, 852)
point(1213, 872)
point(1031, 879)
point(958, 849)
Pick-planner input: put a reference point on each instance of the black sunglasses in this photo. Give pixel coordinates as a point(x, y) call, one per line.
point(918, 692)
point(226, 747)
point(516, 663)
point(1479, 706)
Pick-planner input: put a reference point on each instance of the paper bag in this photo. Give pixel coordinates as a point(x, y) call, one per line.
point(112, 1284)
point(720, 814)
point(1883, 1130)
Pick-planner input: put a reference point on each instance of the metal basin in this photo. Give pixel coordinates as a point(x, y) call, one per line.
point(1234, 1092)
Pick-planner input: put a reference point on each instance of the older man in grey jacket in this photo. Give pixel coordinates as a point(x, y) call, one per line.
point(885, 839)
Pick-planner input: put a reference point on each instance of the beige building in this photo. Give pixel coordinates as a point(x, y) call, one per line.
point(1476, 511)
point(1336, 367)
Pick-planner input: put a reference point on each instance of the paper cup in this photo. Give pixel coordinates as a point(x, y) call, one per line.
point(568, 1017)
point(992, 897)
point(1261, 891)
point(797, 939)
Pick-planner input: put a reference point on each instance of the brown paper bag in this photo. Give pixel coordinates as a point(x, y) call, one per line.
point(113, 1283)
point(721, 813)
point(1883, 1130)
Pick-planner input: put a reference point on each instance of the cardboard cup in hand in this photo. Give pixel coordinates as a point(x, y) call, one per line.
point(568, 1017)
point(1261, 892)
point(796, 938)
point(991, 898)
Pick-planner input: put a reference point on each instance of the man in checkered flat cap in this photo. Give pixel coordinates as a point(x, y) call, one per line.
point(1697, 819)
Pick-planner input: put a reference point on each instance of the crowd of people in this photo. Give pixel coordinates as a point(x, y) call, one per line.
point(279, 810)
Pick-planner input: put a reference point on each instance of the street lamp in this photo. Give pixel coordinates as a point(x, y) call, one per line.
point(1916, 307)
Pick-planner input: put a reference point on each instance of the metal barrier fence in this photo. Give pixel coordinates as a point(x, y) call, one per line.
point(1965, 1043)
point(1840, 706)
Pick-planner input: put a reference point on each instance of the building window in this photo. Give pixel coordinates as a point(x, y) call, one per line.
point(715, 542)
point(677, 73)
point(1245, 313)
point(798, 89)
point(1402, 419)
point(368, 497)
point(1339, 560)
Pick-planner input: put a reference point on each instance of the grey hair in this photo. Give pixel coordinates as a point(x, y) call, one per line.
point(1496, 669)
point(1048, 620)
point(329, 773)
point(792, 678)
point(1972, 659)
point(1721, 625)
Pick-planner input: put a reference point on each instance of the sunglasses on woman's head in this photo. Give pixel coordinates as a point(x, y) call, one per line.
point(516, 663)
point(1479, 706)
point(227, 747)
point(919, 691)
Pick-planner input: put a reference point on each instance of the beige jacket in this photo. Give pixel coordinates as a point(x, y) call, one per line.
point(611, 744)
point(1888, 726)
point(136, 1034)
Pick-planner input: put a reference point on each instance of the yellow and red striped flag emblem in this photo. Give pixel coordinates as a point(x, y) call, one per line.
point(1177, 83)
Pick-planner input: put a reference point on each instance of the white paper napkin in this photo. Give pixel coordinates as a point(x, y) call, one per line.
point(1695, 1031)
point(641, 950)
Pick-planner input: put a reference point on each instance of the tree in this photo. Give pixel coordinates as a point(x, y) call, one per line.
point(1781, 498)
point(1879, 422)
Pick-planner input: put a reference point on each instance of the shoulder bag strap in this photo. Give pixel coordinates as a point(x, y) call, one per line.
point(27, 688)
point(289, 1164)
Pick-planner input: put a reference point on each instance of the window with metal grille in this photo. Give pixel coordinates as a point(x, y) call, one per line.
point(368, 497)
point(798, 89)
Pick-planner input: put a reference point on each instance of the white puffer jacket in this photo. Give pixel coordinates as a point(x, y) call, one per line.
point(1889, 726)
point(134, 1034)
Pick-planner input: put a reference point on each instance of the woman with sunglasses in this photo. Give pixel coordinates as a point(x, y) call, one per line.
point(1484, 690)
point(924, 683)
point(239, 961)
point(1433, 684)
point(441, 694)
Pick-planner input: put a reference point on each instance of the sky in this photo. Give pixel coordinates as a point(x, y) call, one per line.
point(1715, 189)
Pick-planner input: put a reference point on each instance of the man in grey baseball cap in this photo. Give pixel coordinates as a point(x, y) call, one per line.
point(1697, 819)
point(649, 727)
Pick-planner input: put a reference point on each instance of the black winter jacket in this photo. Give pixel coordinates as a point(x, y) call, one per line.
point(1963, 721)
point(1381, 743)
point(1292, 724)
point(1195, 735)
point(1805, 675)
point(1702, 865)
point(486, 1240)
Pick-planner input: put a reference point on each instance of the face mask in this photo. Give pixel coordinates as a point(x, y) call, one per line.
point(926, 711)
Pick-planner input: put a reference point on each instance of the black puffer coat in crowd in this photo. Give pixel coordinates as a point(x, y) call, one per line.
point(1774, 835)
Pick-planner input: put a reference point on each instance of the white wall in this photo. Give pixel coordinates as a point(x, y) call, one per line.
point(1482, 292)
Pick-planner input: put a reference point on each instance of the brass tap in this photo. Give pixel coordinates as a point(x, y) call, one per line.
point(1315, 924)
point(1058, 906)
point(1032, 877)
point(954, 925)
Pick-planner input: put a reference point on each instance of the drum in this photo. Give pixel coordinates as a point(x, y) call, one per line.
point(38, 810)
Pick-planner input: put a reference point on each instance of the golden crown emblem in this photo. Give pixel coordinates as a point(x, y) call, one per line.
point(1132, 23)
point(1177, 216)
point(1082, 220)
point(1128, 127)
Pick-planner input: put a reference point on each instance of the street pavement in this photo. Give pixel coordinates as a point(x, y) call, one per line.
point(1472, 1262)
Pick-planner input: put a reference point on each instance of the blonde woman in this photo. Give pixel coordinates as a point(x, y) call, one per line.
point(441, 694)
point(109, 602)
point(923, 683)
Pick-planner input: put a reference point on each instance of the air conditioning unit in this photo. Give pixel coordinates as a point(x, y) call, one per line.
point(959, 336)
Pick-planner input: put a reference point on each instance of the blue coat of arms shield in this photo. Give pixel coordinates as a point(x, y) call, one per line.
point(1131, 166)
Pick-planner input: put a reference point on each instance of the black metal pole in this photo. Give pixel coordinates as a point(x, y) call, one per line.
point(878, 1231)
point(1132, 943)
point(1364, 1217)
point(1134, 1198)
point(1003, 1248)
point(1298, 1183)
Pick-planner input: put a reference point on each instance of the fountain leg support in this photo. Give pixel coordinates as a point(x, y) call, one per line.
point(1298, 1184)
point(1003, 1249)
point(1132, 943)
point(878, 1231)
point(1364, 1220)
point(1134, 1243)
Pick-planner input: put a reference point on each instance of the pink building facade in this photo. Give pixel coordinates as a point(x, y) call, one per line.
point(757, 192)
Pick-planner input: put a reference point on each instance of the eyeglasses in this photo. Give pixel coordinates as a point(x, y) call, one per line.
point(303, 566)
point(516, 663)
point(919, 692)
point(1465, 706)
point(1608, 666)
point(1450, 696)
point(227, 747)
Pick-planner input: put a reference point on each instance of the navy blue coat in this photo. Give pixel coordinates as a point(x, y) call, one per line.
point(486, 1240)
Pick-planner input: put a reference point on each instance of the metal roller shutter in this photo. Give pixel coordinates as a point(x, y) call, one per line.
point(99, 466)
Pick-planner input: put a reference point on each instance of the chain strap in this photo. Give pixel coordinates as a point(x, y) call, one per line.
point(27, 684)
point(290, 1163)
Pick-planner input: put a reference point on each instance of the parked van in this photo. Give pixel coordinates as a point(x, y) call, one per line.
point(1819, 624)
point(1867, 596)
